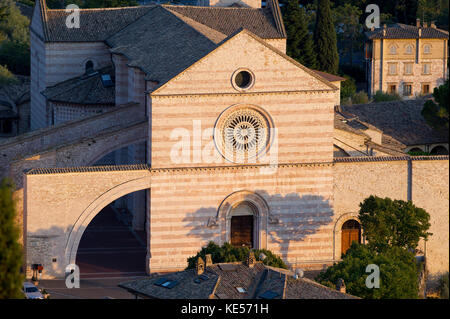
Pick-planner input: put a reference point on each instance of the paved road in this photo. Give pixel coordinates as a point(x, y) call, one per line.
point(92, 288)
point(109, 253)
point(109, 248)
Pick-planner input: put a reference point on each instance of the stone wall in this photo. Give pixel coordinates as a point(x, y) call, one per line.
point(425, 182)
point(298, 225)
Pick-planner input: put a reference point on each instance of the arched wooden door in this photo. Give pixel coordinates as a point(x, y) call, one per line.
point(242, 225)
point(351, 231)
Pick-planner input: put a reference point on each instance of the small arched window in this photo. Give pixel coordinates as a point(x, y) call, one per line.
point(409, 49)
point(427, 49)
point(393, 49)
point(89, 67)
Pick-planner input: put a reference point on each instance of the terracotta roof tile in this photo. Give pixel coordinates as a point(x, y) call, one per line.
point(222, 284)
point(403, 31)
point(85, 89)
point(99, 24)
point(402, 121)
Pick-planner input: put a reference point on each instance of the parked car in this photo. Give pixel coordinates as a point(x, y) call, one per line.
point(31, 291)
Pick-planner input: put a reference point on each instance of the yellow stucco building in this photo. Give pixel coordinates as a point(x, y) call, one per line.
point(405, 59)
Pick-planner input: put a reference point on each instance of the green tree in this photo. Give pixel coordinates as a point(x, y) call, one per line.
point(10, 250)
point(434, 10)
point(228, 253)
point(436, 115)
point(6, 77)
point(393, 223)
point(300, 45)
point(348, 88)
point(325, 39)
point(14, 38)
point(349, 29)
point(398, 273)
point(13, 25)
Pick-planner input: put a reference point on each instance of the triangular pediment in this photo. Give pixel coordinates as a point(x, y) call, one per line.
point(273, 71)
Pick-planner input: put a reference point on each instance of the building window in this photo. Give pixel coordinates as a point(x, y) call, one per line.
point(392, 88)
point(427, 49)
point(242, 133)
point(408, 68)
point(242, 79)
point(407, 89)
point(426, 68)
point(393, 49)
point(392, 68)
point(89, 67)
point(426, 88)
point(409, 49)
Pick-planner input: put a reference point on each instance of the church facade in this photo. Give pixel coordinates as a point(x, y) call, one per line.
point(240, 143)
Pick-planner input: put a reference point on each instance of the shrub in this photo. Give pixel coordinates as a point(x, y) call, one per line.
point(443, 286)
point(348, 88)
point(360, 98)
point(6, 77)
point(418, 153)
point(228, 253)
point(385, 97)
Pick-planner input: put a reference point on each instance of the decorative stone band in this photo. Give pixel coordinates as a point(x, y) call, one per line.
point(390, 158)
point(112, 168)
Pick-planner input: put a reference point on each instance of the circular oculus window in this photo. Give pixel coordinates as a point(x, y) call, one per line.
point(241, 134)
point(242, 80)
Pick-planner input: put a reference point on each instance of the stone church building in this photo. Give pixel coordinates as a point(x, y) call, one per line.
point(198, 120)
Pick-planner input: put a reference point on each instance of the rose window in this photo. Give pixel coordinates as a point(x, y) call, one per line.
point(242, 133)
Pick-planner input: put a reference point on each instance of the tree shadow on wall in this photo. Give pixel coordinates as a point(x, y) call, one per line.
point(291, 219)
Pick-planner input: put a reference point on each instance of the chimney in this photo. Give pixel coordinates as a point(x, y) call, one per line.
point(251, 260)
point(340, 285)
point(433, 25)
point(208, 260)
point(200, 266)
point(418, 23)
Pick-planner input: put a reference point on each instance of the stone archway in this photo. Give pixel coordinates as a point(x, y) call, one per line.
point(261, 216)
point(337, 233)
point(94, 208)
point(54, 224)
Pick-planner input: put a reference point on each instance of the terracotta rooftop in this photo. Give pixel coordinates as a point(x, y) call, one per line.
point(221, 281)
point(403, 31)
point(85, 89)
point(100, 24)
point(330, 77)
point(12, 95)
point(400, 121)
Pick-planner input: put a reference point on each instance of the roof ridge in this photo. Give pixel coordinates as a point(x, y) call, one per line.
point(176, 15)
point(254, 36)
point(109, 9)
point(209, 7)
point(131, 22)
point(277, 16)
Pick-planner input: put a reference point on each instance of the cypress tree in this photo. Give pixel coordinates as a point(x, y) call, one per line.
point(10, 250)
point(325, 39)
point(300, 45)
